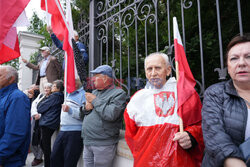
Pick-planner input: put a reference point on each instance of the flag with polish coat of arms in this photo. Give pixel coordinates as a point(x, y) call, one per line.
point(152, 120)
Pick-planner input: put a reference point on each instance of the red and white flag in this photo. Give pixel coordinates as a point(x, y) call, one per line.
point(56, 19)
point(70, 69)
point(63, 28)
point(152, 120)
point(189, 104)
point(12, 15)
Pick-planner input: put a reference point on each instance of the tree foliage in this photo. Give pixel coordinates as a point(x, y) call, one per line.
point(39, 27)
point(135, 41)
point(79, 7)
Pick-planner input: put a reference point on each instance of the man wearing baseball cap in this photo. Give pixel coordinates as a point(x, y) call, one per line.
point(100, 130)
point(49, 68)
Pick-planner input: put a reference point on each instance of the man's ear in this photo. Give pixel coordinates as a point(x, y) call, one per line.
point(11, 80)
point(169, 69)
point(105, 78)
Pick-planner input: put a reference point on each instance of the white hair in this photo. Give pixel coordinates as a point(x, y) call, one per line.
point(75, 33)
point(48, 85)
point(10, 72)
point(163, 55)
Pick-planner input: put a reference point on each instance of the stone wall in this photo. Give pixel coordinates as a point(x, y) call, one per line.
point(28, 44)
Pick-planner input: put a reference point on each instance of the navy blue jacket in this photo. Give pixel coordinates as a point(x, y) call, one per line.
point(14, 126)
point(80, 46)
point(51, 110)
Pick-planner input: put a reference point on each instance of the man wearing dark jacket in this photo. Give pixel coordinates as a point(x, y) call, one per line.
point(82, 48)
point(14, 120)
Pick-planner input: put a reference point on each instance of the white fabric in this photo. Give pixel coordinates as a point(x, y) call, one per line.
point(247, 133)
point(43, 81)
point(142, 106)
point(176, 31)
point(22, 20)
point(35, 103)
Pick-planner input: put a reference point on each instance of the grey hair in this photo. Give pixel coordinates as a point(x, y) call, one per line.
point(163, 55)
point(48, 85)
point(59, 85)
point(10, 71)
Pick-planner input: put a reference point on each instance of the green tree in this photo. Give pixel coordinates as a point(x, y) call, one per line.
point(79, 8)
point(39, 27)
point(211, 54)
point(14, 63)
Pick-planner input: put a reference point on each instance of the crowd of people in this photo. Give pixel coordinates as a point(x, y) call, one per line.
point(90, 123)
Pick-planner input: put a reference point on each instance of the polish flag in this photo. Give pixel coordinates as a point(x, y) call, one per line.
point(189, 104)
point(12, 15)
point(63, 26)
point(70, 69)
point(55, 19)
point(152, 119)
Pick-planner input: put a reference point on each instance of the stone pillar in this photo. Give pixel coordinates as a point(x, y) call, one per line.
point(28, 44)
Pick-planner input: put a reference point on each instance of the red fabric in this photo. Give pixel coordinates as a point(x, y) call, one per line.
point(189, 104)
point(10, 11)
point(57, 22)
point(7, 53)
point(67, 46)
point(153, 146)
point(70, 64)
point(197, 152)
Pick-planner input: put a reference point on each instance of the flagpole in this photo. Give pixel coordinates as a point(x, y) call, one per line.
point(65, 76)
point(177, 78)
point(47, 14)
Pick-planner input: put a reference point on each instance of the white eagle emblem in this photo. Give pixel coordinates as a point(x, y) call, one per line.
point(164, 103)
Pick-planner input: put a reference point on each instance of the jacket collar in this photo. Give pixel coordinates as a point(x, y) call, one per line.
point(230, 89)
point(77, 91)
point(8, 88)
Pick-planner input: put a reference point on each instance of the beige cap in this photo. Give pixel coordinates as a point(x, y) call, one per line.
point(45, 48)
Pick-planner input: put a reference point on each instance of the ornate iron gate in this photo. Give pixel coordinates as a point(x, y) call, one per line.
point(122, 32)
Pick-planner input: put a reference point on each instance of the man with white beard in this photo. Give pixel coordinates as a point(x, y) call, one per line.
point(152, 121)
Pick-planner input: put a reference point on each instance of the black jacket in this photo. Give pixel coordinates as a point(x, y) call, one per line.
point(51, 110)
point(224, 118)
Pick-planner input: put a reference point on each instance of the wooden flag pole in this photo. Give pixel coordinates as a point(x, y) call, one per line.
point(177, 78)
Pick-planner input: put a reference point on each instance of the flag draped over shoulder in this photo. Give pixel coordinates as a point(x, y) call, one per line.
point(12, 14)
point(189, 104)
point(152, 120)
point(57, 22)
